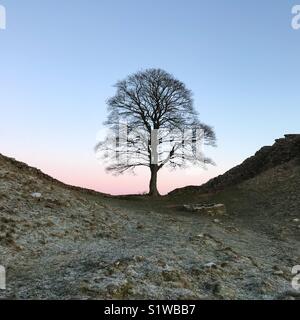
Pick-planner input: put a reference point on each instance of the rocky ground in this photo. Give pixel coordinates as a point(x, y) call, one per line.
point(61, 242)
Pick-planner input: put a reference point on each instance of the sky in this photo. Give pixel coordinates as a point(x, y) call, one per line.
point(60, 59)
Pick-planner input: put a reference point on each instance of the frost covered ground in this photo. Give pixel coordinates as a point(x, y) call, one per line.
point(68, 243)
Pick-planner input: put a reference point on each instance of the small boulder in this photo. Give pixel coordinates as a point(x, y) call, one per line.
point(210, 265)
point(36, 195)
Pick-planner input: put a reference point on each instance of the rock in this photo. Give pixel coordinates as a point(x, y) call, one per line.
point(209, 209)
point(232, 229)
point(139, 258)
point(36, 195)
point(278, 272)
point(210, 265)
point(296, 220)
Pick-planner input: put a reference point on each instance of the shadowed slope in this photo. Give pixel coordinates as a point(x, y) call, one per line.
point(282, 151)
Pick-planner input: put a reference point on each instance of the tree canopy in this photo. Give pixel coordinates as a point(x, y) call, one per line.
point(153, 123)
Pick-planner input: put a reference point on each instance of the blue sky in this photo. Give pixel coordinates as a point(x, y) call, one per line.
point(60, 59)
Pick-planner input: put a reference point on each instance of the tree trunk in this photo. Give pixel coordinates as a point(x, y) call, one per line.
point(153, 181)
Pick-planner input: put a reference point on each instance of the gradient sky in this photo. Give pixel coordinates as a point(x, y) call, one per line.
point(60, 59)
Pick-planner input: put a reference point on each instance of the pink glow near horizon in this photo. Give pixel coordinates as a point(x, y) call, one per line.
point(97, 179)
point(128, 183)
point(88, 173)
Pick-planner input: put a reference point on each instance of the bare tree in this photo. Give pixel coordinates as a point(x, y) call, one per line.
point(160, 126)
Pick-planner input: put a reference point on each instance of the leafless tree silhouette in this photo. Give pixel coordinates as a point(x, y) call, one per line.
point(162, 126)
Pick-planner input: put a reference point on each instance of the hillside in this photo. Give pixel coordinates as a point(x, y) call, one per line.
point(282, 151)
point(62, 242)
